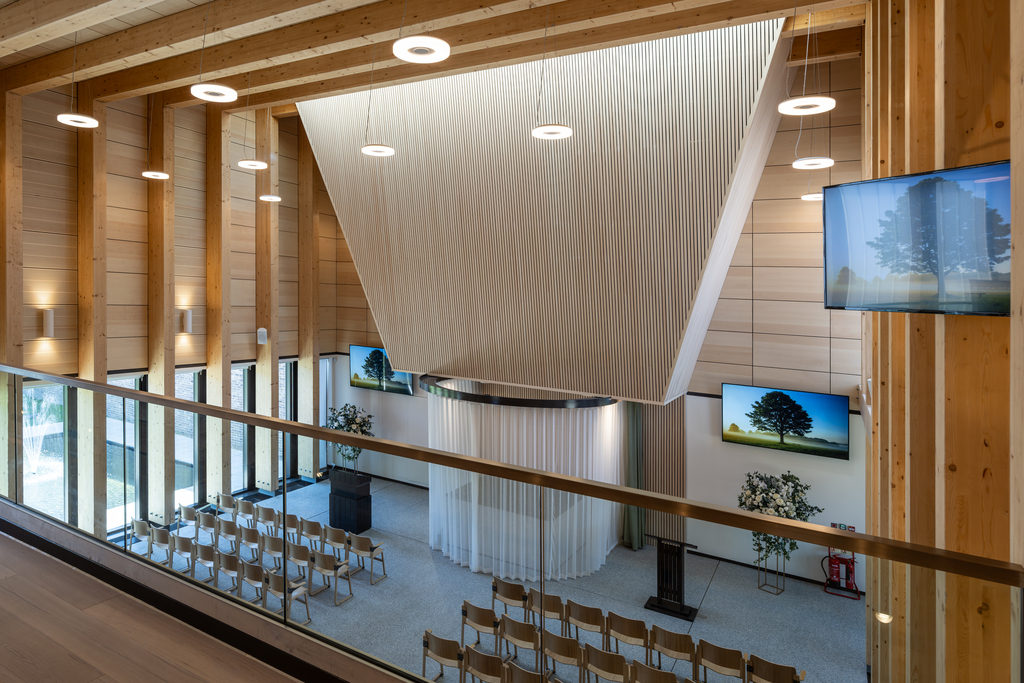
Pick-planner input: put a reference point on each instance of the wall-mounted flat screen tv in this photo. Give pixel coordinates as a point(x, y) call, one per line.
point(934, 242)
point(369, 368)
point(784, 420)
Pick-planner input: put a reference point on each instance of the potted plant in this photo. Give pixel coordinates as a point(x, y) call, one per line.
point(354, 420)
point(776, 496)
point(350, 500)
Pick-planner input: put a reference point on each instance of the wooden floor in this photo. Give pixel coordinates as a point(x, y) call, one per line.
point(60, 624)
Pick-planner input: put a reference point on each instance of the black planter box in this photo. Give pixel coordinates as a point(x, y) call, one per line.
point(349, 484)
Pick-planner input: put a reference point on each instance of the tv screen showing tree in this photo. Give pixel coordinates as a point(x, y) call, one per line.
point(369, 368)
point(796, 421)
point(934, 242)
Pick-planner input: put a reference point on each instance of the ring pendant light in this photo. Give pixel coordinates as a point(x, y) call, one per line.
point(254, 163)
point(547, 131)
point(210, 92)
point(73, 118)
point(810, 163)
point(373, 149)
point(149, 172)
point(268, 196)
point(812, 197)
point(805, 104)
point(419, 49)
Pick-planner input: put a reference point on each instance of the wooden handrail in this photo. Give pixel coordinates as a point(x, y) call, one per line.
point(938, 559)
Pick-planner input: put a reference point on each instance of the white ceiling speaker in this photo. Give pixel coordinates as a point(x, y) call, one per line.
point(421, 49)
point(552, 131)
point(261, 335)
point(813, 163)
point(378, 151)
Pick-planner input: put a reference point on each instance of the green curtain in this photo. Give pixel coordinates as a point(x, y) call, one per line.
point(633, 529)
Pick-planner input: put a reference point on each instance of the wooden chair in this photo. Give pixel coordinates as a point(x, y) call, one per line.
point(272, 546)
point(300, 556)
point(207, 556)
point(187, 516)
point(229, 530)
point(249, 537)
point(443, 651)
point(583, 617)
point(229, 565)
point(364, 549)
point(208, 525)
point(282, 590)
point(553, 607)
point(641, 673)
point(141, 532)
point(290, 524)
point(629, 631)
point(674, 645)
point(509, 594)
point(182, 547)
point(610, 666)
point(327, 565)
point(724, 661)
point(254, 575)
point(476, 664)
point(520, 634)
point(313, 532)
point(563, 650)
point(763, 671)
point(160, 538)
point(268, 518)
point(481, 620)
point(245, 512)
point(226, 504)
point(337, 539)
point(517, 674)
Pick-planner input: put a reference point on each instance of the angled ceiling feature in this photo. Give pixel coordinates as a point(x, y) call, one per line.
point(589, 265)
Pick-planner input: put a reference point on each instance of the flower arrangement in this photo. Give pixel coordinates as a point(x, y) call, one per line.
point(354, 420)
point(777, 496)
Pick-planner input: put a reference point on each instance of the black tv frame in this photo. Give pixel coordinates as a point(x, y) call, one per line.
point(721, 420)
point(824, 246)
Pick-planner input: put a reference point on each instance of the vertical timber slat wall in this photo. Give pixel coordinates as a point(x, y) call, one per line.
point(267, 292)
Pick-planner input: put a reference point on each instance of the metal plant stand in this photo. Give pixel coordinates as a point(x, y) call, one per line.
point(768, 580)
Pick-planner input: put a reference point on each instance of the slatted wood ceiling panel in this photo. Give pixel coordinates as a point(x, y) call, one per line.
point(50, 233)
point(663, 445)
point(772, 329)
point(190, 231)
point(573, 265)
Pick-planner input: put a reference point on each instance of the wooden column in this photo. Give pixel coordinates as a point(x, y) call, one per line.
point(11, 279)
point(309, 307)
point(92, 314)
point(897, 493)
point(881, 672)
point(162, 321)
point(267, 286)
point(1017, 311)
point(218, 298)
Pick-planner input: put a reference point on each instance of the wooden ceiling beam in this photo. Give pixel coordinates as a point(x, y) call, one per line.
point(29, 23)
point(831, 46)
point(829, 20)
point(649, 27)
point(175, 34)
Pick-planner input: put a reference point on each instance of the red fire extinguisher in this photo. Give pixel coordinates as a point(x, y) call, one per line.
point(841, 562)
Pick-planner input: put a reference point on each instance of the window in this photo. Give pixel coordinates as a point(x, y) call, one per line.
point(185, 442)
point(240, 460)
point(44, 472)
point(121, 460)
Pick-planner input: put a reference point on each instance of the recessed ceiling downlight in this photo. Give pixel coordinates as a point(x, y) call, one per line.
point(806, 105)
point(421, 49)
point(78, 120)
point(813, 163)
point(155, 175)
point(254, 164)
point(813, 197)
point(552, 131)
point(377, 151)
point(213, 92)
point(269, 198)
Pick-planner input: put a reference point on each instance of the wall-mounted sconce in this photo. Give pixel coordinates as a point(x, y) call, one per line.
point(48, 322)
point(261, 335)
point(882, 617)
point(186, 321)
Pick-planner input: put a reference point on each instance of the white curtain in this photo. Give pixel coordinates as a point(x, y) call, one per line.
point(491, 525)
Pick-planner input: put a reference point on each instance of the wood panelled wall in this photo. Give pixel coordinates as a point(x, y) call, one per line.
point(770, 327)
point(937, 95)
point(190, 232)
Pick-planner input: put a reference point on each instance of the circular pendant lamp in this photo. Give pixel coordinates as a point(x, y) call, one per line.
point(813, 163)
point(552, 131)
point(377, 150)
point(210, 92)
point(421, 49)
point(807, 105)
point(813, 197)
point(73, 118)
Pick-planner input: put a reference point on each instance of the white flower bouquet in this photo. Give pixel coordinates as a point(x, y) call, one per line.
point(776, 496)
point(354, 420)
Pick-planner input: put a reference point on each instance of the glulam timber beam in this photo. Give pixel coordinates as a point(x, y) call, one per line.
point(354, 66)
point(11, 274)
point(822, 21)
point(29, 23)
point(830, 46)
point(309, 307)
point(175, 34)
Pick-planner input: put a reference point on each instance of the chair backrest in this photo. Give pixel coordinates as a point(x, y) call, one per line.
point(586, 618)
point(140, 528)
point(641, 673)
point(311, 529)
point(336, 538)
point(325, 561)
point(225, 502)
point(289, 522)
point(272, 544)
point(225, 527)
point(360, 544)
point(186, 513)
point(510, 593)
point(442, 650)
point(253, 572)
point(297, 552)
point(266, 516)
point(563, 650)
point(275, 583)
point(246, 509)
point(205, 554)
point(485, 667)
point(228, 563)
point(181, 545)
point(633, 631)
point(161, 536)
point(519, 633)
point(553, 607)
point(675, 645)
point(207, 521)
point(250, 536)
point(763, 671)
point(479, 618)
point(517, 674)
point(608, 665)
point(722, 660)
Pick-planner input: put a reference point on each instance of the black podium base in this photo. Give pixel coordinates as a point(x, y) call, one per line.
point(354, 515)
point(672, 609)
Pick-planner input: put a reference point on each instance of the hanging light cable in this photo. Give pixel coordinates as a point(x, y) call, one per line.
point(254, 163)
point(73, 118)
point(809, 163)
point(419, 49)
point(211, 92)
point(811, 196)
point(368, 148)
point(807, 104)
point(268, 196)
point(547, 131)
point(149, 172)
